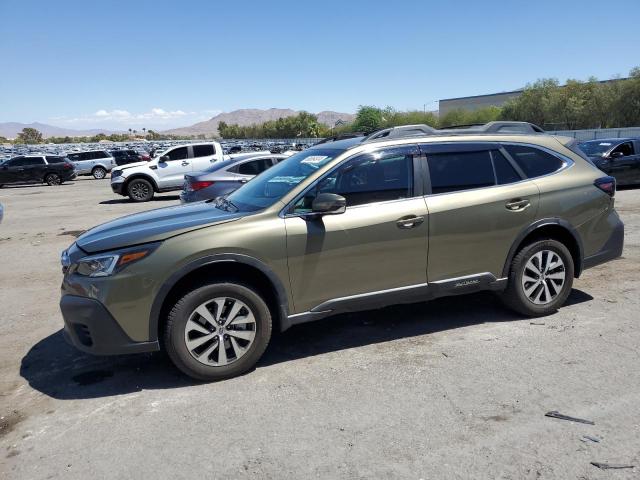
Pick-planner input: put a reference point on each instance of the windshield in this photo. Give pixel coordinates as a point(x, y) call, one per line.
point(594, 149)
point(271, 185)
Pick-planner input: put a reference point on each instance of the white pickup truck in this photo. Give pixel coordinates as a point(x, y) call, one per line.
point(165, 171)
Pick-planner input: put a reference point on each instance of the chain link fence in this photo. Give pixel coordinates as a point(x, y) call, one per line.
point(597, 133)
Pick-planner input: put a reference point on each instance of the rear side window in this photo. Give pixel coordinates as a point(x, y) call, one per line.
point(505, 173)
point(178, 153)
point(452, 172)
point(254, 167)
point(55, 159)
point(30, 161)
point(533, 161)
point(203, 150)
point(100, 154)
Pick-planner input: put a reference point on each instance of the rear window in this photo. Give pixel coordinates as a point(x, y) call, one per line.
point(533, 161)
point(452, 172)
point(29, 161)
point(254, 167)
point(99, 154)
point(505, 173)
point(203, 150)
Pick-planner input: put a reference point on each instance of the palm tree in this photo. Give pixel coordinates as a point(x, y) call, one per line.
point(135, 132)
point(145, 131)
point(130, 132)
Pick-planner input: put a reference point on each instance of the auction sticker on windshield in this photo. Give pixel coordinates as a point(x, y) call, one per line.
point(314, 159)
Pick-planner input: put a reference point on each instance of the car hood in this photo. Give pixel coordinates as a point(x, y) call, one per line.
point(153, 226)
point(132, 165)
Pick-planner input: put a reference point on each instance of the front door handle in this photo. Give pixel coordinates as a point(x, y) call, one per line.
point(409, 221)
point(184, 164)
point(517, 205)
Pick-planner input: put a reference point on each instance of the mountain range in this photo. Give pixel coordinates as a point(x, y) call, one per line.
point(253, 116)
point(243, 117)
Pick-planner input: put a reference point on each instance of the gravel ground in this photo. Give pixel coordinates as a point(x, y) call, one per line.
point(454, 388)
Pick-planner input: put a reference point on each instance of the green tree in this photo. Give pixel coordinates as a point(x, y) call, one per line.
point(29, 135)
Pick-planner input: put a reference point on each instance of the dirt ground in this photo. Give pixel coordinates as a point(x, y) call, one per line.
point(454, 388)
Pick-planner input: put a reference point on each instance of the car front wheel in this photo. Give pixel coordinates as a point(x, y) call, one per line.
point(218, 331)
point(140, 190)
point(540, 278)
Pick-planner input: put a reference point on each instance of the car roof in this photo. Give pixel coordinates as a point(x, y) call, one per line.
point(611, 140)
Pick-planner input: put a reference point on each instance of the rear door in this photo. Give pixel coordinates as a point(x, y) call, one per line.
point(171, 173)
point(34, 169)
point(202, 156)
point(478, 201)
point(379, 243)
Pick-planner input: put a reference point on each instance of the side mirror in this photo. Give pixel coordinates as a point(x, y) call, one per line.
point(616, 155)
point(163, 159)
point(329, 204)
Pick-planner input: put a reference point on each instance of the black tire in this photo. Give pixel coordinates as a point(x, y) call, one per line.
point(140, 190)
point(174, 331)
point(53, 179)
point(99, 173)
point(515, 297)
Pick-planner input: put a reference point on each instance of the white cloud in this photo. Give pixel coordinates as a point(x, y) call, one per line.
point(156, 117)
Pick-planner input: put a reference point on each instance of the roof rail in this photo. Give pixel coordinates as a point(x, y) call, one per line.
point(402, 131)
point(405, 131)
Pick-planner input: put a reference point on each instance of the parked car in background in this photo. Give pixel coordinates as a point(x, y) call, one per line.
point(618, 157)
point(1, 212)
point(165, 172)
point(358, 224)
point(126, 156)
point(226, 176)
point(49, 169)
point(94, 162)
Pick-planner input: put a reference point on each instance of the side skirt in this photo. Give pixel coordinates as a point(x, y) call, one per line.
point(395, 296)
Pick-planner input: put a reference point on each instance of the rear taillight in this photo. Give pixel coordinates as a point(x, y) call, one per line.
point(199, 185)
point(67, 166)
point(607, 185)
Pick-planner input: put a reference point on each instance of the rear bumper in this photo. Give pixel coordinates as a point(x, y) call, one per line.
point(611, 250)
point(89, 327)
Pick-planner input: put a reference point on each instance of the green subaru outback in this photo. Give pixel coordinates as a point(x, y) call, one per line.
point(404, 215)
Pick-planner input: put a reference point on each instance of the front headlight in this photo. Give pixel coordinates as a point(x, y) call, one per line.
point(116, 173)
point(107, 264)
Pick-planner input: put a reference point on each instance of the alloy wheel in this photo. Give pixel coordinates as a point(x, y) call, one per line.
point(53, 179)
point(99, 173)
point(220, 331)
point(140, 190)
point(543, 277)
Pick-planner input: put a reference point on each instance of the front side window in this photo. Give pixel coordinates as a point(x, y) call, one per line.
point(203, 150)
point(368, 178)
point(452, 172)
point(272, 185)
point(178, 153)
point(626, 149)
point(51, 159)
point(533, 161)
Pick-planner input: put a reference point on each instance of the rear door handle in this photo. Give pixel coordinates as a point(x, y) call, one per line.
point(517, 205)
point(410, 221)
point(184, 164)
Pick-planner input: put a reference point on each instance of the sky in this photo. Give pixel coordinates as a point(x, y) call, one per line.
point(160, 64)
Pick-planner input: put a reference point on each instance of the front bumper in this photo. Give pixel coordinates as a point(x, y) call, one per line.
point(118, 186)
point(89, 326)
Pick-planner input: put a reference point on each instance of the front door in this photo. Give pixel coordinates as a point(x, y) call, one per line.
point(623, 163)
point(379, 243)
point(478, 204)
point(11, 170)
point(171, 173)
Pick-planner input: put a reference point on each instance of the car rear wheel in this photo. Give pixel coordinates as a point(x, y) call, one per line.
point(52, 179)
point(99, 173)
point(140, 190)
point(540, 278)
point(218, 331)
